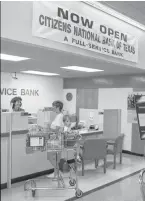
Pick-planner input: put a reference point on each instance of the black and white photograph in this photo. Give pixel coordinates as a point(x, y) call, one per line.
point(72, 100)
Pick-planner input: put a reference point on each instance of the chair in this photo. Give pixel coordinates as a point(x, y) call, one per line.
point(117, 148)
point(94, 149)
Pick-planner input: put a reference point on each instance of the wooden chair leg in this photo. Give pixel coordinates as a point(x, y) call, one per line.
point(114, 161)
point(105, 165)
point(82, 167)
point(96, 163)
point(121, 158)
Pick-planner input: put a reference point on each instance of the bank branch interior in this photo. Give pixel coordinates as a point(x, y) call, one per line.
point(72, 101)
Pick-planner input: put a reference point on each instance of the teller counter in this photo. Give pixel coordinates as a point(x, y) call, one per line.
point(19, 121)
point(22, 164)
point(90, 134)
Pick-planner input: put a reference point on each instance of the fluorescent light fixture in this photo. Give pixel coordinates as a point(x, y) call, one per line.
point(112, 12)
point(83, 69)
point(12, 58)
point(39, 73)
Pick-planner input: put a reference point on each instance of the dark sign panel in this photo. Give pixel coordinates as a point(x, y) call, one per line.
point(140, 110)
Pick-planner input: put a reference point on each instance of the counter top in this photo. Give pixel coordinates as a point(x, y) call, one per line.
point(91, 132)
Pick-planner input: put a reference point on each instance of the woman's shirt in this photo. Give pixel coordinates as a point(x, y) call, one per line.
point(58, 121)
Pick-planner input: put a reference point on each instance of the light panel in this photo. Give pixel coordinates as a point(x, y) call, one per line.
point(8, 57)
point(39, 73)
point(82, 69)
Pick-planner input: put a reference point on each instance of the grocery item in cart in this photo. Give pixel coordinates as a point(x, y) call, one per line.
point(71, 138)
point(63, 165)
point(55, 142)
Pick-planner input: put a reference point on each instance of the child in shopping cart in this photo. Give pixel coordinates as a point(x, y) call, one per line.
point(68, 130)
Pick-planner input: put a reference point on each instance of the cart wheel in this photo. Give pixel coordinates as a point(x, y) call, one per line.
point(79, 193)
point(33, 193)
point(29, 184)
point(33, 184)
point(26, 186)
point(72, 182)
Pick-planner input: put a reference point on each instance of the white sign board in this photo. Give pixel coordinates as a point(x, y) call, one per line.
point(36, 141)
point(62, 23)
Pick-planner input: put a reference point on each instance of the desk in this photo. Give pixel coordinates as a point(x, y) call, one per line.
point(90, 134)
point(98, 135)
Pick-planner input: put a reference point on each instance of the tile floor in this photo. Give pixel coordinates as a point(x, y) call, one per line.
point(93, 179)
point(126, 190)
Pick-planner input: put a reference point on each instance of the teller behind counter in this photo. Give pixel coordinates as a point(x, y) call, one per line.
point(19, 118)
point(16, 120)
point(16, 104)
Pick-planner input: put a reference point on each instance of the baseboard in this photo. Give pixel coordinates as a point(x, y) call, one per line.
point(3, 186)
point(132, 153)
point(26, 177)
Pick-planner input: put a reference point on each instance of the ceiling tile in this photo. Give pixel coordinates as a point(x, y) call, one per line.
point(132, 9)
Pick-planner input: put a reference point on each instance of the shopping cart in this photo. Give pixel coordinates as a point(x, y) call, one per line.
point(142, 183)
point(40, 140)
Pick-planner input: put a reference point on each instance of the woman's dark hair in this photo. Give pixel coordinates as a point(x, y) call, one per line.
point(58, 104)
point(14, 100)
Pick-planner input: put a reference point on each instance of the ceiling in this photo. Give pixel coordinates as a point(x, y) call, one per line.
point(48, 60)
point(132, 9)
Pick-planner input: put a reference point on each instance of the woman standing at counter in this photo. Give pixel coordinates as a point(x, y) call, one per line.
point(16, 103)
point(57, 124)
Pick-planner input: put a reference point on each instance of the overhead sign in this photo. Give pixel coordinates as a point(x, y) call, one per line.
point(20, 92)
point(59, 22)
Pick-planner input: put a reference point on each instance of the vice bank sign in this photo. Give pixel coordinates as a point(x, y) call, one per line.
point(19, 92)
